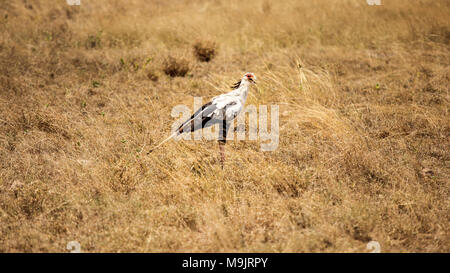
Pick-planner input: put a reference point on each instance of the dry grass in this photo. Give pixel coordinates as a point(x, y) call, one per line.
point(175, 67)
point(364, 126)
point(205, 51)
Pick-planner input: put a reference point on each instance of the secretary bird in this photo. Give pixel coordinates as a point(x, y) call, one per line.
point(220, 110)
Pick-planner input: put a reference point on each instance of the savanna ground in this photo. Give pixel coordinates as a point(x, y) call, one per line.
point(364, 146)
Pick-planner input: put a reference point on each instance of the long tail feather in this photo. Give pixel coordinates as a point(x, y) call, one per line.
point(164, 141)
point(188, 122)
point(177, 132)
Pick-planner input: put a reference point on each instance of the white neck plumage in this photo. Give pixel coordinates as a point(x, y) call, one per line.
point(242, 91)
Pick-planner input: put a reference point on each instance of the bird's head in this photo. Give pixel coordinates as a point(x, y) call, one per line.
point(250, 77)
point(246, 80)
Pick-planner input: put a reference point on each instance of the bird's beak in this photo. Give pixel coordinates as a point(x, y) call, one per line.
point(252, 80)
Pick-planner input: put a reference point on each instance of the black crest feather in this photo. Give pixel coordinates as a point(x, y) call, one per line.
point(236, 85)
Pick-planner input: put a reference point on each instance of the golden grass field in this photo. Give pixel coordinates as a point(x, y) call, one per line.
point(363, 93)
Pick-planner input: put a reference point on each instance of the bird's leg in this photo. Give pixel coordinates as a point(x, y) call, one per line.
point(223, 140)
point(222, 152)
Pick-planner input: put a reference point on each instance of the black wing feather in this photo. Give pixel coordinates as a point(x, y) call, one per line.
point(236, 85)
point(192, 120)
